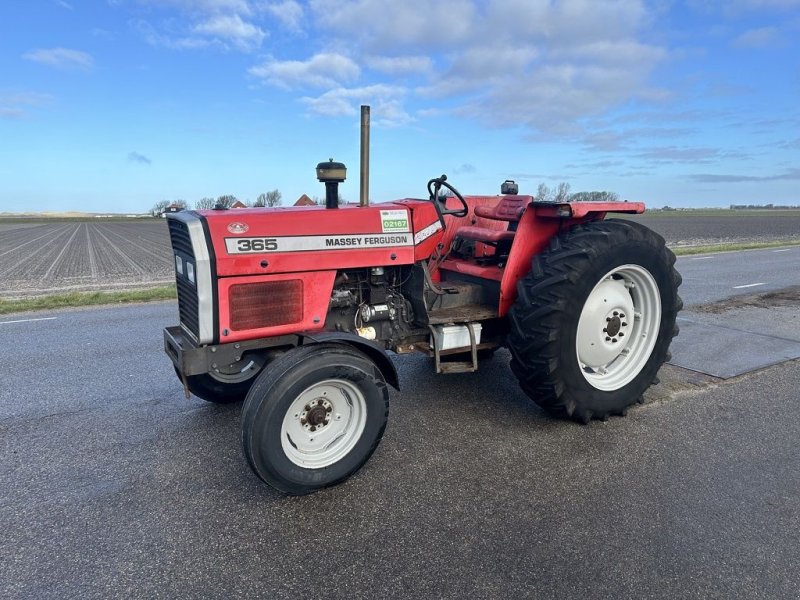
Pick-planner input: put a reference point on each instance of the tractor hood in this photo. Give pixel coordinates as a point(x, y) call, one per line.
point(257, 241)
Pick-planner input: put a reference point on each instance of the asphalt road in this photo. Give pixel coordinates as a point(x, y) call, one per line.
point(711, 277)
point(114, 485)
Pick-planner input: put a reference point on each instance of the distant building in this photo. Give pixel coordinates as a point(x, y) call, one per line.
point(238, 204)
point(305, 201)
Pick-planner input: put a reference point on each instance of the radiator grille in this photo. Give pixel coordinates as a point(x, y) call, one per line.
point(267, 304)
point(188, 306)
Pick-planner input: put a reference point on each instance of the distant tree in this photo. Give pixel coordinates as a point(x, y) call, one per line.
point(594, 197)
point(226, 201)
point(205, 203)
point(562, 192)
point(272, 198)
point(159, 208)
point(543, 194)
point(182, 204)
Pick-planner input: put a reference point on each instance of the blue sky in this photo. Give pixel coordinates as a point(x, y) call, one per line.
point(112, 106)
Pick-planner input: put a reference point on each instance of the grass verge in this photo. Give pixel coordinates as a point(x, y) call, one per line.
point(86, 299)
point(732, 247)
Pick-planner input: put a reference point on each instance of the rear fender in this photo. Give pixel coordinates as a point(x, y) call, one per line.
point(375, 352)
point(539, 223)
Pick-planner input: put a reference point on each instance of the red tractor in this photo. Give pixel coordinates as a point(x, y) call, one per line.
point(295, 310)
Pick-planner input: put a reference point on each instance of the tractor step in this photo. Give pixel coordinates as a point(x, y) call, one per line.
point(455, 366)
point(461, 314)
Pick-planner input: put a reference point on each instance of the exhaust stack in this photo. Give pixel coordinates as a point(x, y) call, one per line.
point(364, 191)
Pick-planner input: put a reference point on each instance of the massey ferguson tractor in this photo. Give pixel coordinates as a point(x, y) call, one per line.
point(296, 310)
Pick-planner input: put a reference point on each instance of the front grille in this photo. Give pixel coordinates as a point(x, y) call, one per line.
point(266, 304)
point(188, 306)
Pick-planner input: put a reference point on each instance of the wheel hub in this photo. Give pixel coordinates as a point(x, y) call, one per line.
point(613, 325)
point(316, 414)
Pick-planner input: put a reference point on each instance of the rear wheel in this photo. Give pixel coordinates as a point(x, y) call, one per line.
point(313, 417)
point(229, 383)
point(594, 319)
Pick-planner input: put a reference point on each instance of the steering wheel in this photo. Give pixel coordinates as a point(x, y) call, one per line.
point(440, 203)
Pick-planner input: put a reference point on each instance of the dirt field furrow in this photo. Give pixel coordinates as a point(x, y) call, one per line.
point(56, 264)
point(159, 255)
point(29, 260)
point(49, 230)
point(108, 247)
point(90, 252)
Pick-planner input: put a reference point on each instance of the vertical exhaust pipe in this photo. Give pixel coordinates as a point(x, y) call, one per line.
point(364, 192)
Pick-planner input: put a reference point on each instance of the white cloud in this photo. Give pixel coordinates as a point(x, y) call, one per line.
point(392, 24)
point(288, 12)
point(761, 37)
point(547, 66)
point(386, 101)
point(241, 7)
point(400, 65)
point(178, 42)
point(224, 23)
point(15, 105)
point(61, 58)
point(326, 69)
point(232, 28)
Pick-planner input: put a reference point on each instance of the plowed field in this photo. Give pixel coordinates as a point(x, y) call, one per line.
point(40, 258)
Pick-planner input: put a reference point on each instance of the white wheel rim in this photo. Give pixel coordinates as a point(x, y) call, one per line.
point(618, 327)
point(323, 424)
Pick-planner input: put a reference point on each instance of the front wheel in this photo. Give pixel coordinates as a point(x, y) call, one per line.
point(313, 417)
point(594, 319)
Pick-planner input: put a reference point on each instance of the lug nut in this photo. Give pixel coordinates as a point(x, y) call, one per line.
point(624, 324)
point(608, 319)
point(616, 314)
point(308, 408)
point(313, 428)
point(303, 421)
point(328, 408)
point(621, 334)
point(614, 341)
point(608, 339)
point(319, 402)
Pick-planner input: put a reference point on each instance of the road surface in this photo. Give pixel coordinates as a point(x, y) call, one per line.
point(112, 485)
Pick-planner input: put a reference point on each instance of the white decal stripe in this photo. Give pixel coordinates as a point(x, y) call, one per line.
point(424, 234)
point(312, 243)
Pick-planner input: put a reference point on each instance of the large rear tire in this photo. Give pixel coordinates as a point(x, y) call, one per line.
point(313, 417)
point(594, 319)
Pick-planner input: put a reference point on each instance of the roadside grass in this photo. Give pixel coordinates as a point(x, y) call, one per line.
point(72, 299)
point(713, 248)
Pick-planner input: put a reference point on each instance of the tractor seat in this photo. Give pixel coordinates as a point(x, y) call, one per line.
point(510, 208)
